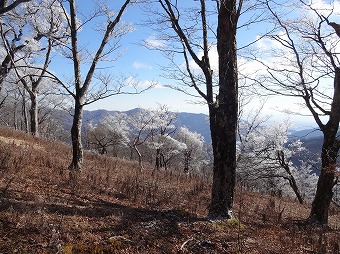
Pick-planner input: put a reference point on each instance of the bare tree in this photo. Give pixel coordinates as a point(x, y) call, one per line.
point(303, 64)
point(194, 36)
point(331, 142)
point(81, 92)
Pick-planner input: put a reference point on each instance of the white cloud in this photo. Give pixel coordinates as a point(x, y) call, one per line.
point(267, 43)
point(153, 42)
point(325, 8)
point(250, 67)
point(133, 82)
point(213, 57)
point(147, 83)
point(138, 65)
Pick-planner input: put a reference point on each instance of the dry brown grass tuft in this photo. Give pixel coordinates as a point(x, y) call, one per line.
point(117, 209)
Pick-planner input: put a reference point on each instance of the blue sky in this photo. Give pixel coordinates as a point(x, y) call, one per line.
point(145, 65)
point(140, 63)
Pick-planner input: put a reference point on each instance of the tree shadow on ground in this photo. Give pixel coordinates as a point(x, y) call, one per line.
point(126, 218)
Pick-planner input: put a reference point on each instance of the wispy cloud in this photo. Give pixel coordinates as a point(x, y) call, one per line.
point(138, 65)
point(153, 42)
point(133, 82)
point(324, 7)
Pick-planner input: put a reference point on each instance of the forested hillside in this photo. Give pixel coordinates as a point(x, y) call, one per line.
point(115, 208)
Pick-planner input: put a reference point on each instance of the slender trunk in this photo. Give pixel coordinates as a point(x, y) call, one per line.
point(330, 148)
point(82, 87)
point(5, 67)
point(163, 161)
point(290, 177)
point(34, 121)
point(131, 152)
point(223, 115)
point(295, 188)
point(34, 127)
point(77, 147)
point(139, 157)
point(157, 166)
point(24, 112)
point(15, 116)
point(187, 159)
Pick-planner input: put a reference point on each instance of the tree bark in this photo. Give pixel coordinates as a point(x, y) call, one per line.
point(77, 147)
point(4, 8)
point(223, 110)
point(34, 126)
point(139, 158)
point(24, 120)
point(81, 88)
point(223, 115)
point(290, 177)
point(33, 111)
point(329, 153)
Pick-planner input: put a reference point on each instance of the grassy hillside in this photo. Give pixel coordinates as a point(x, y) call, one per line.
point(114, 208)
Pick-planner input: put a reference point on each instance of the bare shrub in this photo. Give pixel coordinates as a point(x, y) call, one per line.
point(12, 160)
point(118, 209)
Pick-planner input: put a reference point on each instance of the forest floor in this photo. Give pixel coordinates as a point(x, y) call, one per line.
point(115, 208)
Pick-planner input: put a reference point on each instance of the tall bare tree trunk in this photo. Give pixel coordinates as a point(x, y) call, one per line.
point(223, 114)
point(33, 111)
point(24, 126)
point(223, 110)
point(82, 87)
point(15, 115)
point(77, 147)
point(34, 125)
point(329, 154)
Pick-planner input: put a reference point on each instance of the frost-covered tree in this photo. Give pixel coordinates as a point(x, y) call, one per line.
point(141, 130)
point(28, 30)
point(301, 61)
point(150, 128)
point(194, 156)
point(109, 135)
point(162, 142)
point(268, 160)
point(167, 149)
point(13, 113)
point(30, 34)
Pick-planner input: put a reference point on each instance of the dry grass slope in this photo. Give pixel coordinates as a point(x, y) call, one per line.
point(116, 209)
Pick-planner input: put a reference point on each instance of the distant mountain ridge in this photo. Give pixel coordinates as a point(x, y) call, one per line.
point(305, 134)
point(196, 122)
